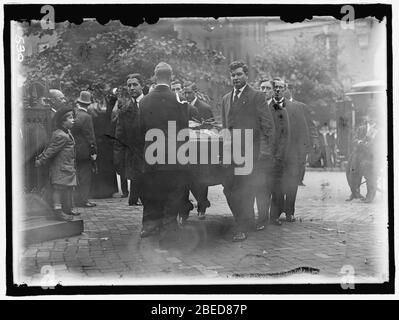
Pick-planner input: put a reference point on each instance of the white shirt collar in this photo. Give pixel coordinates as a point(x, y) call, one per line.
point(194, 101)
point(162, 84)
point(240, 90)
point(81, 108)
point(269, 100)
point(138, 98)
point(278, 102)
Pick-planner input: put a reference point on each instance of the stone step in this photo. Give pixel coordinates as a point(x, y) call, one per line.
point(41, 229)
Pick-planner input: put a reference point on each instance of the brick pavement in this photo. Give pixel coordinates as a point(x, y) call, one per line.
point(329, 234)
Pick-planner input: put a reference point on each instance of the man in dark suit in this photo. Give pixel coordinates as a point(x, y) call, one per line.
point(312, 132)
point(265, 85)
point(177, 87)
point(245, 108)
point(128, 145)
point(264, 192)
point(204, 113)
point(163, 184)
point(191, 95)
point(86, 149)
point(290, 155)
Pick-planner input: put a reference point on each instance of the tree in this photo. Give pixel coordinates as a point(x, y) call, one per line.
point(96, 57)
point(309, 67)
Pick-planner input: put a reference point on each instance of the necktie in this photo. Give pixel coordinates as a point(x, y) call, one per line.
point(237, 92)
point(278, 104)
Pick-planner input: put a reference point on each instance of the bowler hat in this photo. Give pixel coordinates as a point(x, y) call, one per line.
point(84, 97)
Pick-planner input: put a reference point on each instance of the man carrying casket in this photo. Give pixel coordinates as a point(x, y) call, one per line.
point(163, 184)
point(245, 108)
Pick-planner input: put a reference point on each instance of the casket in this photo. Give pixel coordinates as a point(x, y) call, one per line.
point(208, 169)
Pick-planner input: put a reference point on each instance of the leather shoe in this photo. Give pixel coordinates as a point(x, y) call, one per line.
point(73, 213)
point(260, 227)
point(201, 215)
point(239, 236)
point(88, 204)
point(147, 233)
point(290, 218)
point(277, 222)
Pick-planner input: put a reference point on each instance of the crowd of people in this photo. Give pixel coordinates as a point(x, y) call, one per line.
point(92, 143)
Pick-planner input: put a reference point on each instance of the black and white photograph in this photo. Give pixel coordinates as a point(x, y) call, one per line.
point(188, 146)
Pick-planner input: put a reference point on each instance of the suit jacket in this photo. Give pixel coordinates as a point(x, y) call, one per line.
point(250, 112)
point(204, 110)
point(128, 147)
point(282, 132)
point(156, 109)
point(61, 152)
point(313, 134)
point(193, 113)
point(299, 138)
point(83, 132)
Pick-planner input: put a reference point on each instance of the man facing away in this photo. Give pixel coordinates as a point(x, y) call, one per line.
point(163, 185)
point(245, 108)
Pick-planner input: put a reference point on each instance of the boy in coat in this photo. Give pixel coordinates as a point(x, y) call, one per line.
point(61, 153)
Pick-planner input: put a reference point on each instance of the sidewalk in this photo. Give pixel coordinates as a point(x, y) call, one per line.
point(330, 236)
point(111, 250)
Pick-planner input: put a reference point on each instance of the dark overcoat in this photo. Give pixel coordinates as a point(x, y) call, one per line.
point(61, 153)
point(83, 132)
point(128, 147)
point(158, 108)
point(298, 140)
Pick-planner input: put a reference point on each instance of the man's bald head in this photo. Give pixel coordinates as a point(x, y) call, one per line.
point(57, 98)
point(163, 72)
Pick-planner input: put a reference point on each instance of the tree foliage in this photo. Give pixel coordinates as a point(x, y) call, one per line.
point(96, 57)
point(308, 66)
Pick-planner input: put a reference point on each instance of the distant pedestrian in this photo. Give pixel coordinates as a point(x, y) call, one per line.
point(61, 152)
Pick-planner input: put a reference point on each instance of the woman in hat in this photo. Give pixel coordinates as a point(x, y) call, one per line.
point(61, 153)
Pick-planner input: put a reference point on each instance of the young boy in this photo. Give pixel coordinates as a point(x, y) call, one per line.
point(61, 153)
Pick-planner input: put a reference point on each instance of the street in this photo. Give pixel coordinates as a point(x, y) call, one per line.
point(331, 238)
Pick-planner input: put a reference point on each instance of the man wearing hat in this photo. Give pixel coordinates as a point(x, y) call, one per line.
point(86, 149)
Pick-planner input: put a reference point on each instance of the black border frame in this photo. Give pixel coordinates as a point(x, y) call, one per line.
point(134, 14)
